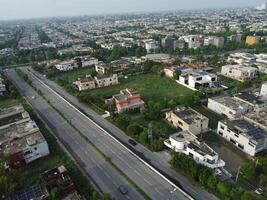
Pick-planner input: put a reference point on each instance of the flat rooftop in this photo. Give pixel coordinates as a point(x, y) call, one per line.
point(12, 114)
point(183, 136)
point(250, 98)
point(259, 117)
point(188, 115)
point(202, 148)
point(247, 129)
point(230, 102)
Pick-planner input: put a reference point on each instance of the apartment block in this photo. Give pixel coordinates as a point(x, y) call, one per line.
point(187, 143)
point(85, 83)
point(228, 106)
point(188, 119)
point(243, 135)
point(239, 72)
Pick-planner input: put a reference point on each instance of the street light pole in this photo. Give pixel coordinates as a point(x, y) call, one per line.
point(238, 171)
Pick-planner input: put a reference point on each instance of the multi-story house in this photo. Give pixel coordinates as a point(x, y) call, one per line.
point(128, 99)
point(188, 119)
point(243, 135)
point(187, 143)
point(228, 106)
point(239, 72)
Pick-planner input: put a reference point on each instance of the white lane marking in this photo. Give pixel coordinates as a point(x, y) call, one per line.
point(147, 181)
point(137, 173)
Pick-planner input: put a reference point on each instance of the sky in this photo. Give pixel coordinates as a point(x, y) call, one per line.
point(21, 9)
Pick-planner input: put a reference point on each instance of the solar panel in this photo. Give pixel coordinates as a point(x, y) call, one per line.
point(28, 193)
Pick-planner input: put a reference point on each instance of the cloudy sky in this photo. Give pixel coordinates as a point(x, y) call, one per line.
point(18, 9)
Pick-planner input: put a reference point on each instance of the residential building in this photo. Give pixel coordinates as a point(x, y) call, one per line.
point(187, 143)
point(12, 115)
point(67, 65)
point(243, 135)
point(167, 42)
point(106, 80)
point(85, 83)
point(128, 99)
point(2, 87)
point(218, 42)
point(22, 143)
point(228, 106)
point(256, 102)
point(151, 45)
point(179, 44)
point(160, 57)
point(252, 40)
point(88, 61)
point(58, 177)
point(188, 119)
point(242, 58)
point(264, 90)
point(239, 72)
point(198, 79)
point(258, 118)
point(99, 81)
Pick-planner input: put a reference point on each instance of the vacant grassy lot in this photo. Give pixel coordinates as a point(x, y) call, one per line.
point(73, 75)
point(150, 86)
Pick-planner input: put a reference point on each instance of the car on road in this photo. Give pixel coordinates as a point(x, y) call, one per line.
point(33, 97)
point(123, 190)
point(259, 191)
point(132, 142)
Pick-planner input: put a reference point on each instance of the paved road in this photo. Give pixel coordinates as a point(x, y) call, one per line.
point(159, 160)
point(103, 175)
point(147, 179)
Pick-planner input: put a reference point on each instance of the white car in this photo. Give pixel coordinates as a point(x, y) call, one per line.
point(259, 191)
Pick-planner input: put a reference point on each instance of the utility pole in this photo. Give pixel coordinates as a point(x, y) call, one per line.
point(150, 132)
point(237, 175)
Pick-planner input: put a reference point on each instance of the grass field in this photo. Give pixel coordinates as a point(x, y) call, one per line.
point(73, 75)
point(150, 86)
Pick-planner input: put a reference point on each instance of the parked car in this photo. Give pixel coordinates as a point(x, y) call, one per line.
point(132, 142)
point(218, 172)
point(123, 190)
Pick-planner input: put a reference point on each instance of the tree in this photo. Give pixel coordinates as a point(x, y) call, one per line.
point(55, 193)
point(143, 137)
point(224, 188)
point(248, 171)
point(134, 129)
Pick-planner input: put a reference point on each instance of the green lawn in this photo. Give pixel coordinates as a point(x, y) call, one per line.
point(150, 86)
point(8, 102)
point(73, 75)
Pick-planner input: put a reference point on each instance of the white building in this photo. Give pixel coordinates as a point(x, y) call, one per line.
point(2, 87)
point(228, 106)
point(67, 65)
point(242, 58)
point(198, 79)
point(185, 142)
point(239, 72)
point(243, 135)
point(264, 90)
point(88, 61)
point(151, 45)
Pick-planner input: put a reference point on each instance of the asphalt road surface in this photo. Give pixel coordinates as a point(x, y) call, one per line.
point(92, 163)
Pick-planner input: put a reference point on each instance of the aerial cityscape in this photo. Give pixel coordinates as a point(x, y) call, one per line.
point(132, 100)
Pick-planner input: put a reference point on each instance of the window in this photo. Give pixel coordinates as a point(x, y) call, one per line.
point(233, 141)
point(180, 123)
point(191, 155)
point(222, 127)
point(251, 144)
point(240, 146)
point(237, 135)
point(220, 133)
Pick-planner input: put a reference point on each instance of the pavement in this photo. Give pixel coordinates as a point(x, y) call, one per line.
point(92, 163)
point(158, 160)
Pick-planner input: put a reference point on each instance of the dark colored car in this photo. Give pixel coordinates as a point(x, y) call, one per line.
point(132, 142)
point(123, 190)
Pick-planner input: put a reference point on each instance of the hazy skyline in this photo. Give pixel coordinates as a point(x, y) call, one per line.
point(21, 9)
